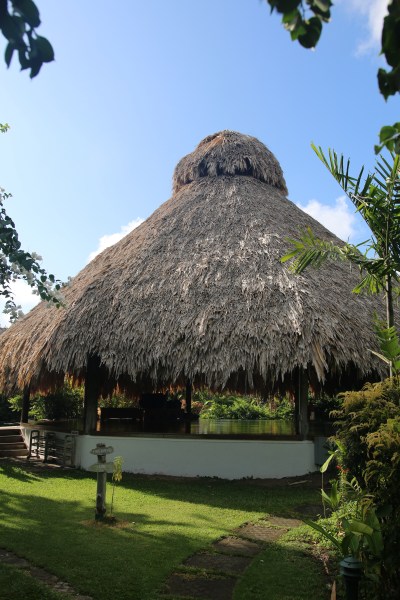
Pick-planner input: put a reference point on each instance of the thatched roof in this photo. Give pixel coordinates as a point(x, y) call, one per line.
point(197, 292)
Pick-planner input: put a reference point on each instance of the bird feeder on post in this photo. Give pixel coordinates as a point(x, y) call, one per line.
point(101, 468)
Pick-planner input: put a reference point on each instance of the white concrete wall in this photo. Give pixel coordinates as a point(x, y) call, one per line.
point(191, 457)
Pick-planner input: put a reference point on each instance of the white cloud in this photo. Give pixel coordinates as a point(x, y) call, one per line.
point(339, 218)
point(372, 12)
point(23, 296)
point(110, 239)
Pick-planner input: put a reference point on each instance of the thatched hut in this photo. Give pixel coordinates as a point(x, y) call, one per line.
point(197, 293)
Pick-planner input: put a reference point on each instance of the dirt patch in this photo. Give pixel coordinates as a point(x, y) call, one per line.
point(108, 522)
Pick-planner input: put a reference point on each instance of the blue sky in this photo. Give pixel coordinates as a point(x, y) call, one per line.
point(137, 84)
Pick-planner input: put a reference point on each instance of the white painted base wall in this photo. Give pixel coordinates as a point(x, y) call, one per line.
point(191, 457)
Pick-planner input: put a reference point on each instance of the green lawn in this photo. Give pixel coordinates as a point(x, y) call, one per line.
point(15, 584)
point(286, 570)
point(47, 517)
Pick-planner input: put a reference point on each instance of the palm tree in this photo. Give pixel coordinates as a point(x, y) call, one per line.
point(377, 199)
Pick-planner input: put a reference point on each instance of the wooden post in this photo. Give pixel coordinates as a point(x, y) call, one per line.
point(92, 392)
point(101, 488)
point(188, 397)
point(25, 405)
point(301, 404)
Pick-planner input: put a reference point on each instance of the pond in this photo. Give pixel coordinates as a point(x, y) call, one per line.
point(212, 427)
point(242, 427)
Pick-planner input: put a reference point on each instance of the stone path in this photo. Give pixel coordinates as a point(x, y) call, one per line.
point(207, 575)
point(49, 580)
point(226, 560)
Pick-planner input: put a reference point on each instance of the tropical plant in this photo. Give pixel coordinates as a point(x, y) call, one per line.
point(64, 403)
point(226, 406)
point(368, 447)
point(358, 531)
point(116, 478)
point(7, 413)
point(389, 347)
point(377, 199)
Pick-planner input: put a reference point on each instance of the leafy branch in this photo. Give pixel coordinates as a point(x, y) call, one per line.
point(19, 20)
point(377, 199)
point(16, 263)
point(304, 20)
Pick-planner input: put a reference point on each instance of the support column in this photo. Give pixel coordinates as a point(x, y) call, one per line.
point(301, 404)
point(189, 398)
point(92, 393)
point(25, 404)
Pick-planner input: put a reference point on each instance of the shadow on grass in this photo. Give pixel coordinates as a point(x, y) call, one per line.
point(284, 571)
point(282, 501)
point(49, 527)
point(248, 495)
point(15, 584)
point(17, 472)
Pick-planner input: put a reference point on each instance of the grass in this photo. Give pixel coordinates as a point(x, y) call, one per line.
point(15, 585)
point(47, 517)
point(287, 570)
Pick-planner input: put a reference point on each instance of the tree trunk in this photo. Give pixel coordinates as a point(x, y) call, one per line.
point(25, 405)
point(389, 310)
point(189, 398)
point(92, 392)
point(301, 404)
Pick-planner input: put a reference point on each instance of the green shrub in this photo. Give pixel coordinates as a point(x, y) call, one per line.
point(368, 428)
point(224, 406)
point(116, 401)
point(65, 403)
point(362, 413)
point(8, 413)
point(324, 404)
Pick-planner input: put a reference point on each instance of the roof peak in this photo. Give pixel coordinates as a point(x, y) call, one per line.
point(229, 153)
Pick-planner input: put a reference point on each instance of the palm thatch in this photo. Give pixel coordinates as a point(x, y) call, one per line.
point(197, 292)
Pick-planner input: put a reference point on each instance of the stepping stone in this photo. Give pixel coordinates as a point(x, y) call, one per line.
point(43, 575)
point(15, 561)
point(219, 562)
point(261, 533)
point(284, 522)
point(181, 584)
point(236, 545)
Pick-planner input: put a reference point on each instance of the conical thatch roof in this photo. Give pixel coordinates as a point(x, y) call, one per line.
point(197, 292)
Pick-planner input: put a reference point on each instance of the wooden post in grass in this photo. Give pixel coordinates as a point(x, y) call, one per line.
point(25, 405)
point(301, 404)
point(92, 392)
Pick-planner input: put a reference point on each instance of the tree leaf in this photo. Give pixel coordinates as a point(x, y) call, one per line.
point(313, 33)
point(360, 527)
point(11, 29)
point(35, 66)
point(28, 10)
point(324, 532)
point(45, 49)
point(9, 53)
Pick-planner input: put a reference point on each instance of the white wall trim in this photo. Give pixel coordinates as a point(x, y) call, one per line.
point(191, 457)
